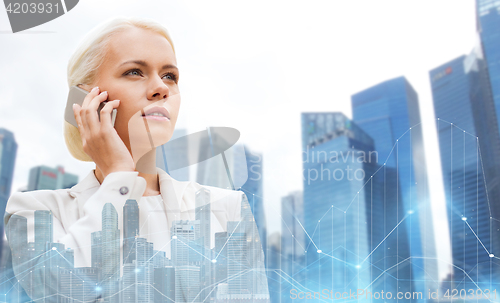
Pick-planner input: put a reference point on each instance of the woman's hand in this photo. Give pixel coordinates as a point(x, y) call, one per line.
point(99, 138)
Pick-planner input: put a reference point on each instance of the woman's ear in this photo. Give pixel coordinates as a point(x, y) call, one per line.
point(85, 87)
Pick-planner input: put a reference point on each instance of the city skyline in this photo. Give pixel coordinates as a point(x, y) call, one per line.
point(131, 277)
point(424, 43)
point(271, 198)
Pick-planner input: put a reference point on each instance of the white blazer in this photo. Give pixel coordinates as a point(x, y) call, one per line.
point(77, 214)
point(77, 210)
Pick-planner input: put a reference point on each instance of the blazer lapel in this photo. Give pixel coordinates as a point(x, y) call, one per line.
point(180, 200)
point(172, 192)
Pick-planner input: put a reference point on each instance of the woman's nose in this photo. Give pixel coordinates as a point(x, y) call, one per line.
point(159, 90)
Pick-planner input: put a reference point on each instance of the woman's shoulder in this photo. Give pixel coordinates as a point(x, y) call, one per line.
point(36, 197)
point(59, 201)
point(26, 203)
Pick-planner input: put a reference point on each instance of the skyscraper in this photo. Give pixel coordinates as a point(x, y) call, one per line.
point(184, 232)
point(43, 230)
point(164, 284)
point(221, 255)
point(469, 146)
point(293, 236)
point(246, 172)
point(44, 177)
point(488, 22)
point(254, 190)
point(186, 260)
point(273, 266)
point(77, 284)
point(130, 230)
point(236, 244)
point(128, 283)
point(202, 214)
point(17, 232)
point(144, 271)
point(256, 277)
point(389, 113)
point(110, 272)
point(8, 152)
point(187, 284)
point(96, 253)
point(338, 217)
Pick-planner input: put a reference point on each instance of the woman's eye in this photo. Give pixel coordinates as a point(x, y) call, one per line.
point(170, 76)
point(134, 72)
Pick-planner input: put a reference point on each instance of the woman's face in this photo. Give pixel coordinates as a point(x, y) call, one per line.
point(140, 70)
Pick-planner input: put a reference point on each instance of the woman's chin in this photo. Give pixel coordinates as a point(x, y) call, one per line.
point(160, 139)
point(153, 134)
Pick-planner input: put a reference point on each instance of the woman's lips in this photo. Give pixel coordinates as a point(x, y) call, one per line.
point(158, 118)
point(157, 113)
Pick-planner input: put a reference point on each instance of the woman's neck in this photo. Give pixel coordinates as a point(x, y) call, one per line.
point(146, 166)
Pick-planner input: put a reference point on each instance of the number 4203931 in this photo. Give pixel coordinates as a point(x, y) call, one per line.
point(32, 8)
point(455, 294)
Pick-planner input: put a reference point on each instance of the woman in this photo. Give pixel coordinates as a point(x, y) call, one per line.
point(111, 221)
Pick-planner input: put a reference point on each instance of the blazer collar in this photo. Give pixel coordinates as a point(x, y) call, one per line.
point(90, 181)
point(171, 190)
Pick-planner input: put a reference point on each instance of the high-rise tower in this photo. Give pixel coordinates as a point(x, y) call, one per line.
point(110, 236)
point(389, 113)
point(469, 147)
point(130, 230)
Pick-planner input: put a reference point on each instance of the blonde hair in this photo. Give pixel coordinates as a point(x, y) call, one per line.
point(89, 55)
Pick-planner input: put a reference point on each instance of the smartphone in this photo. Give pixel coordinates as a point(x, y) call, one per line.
point(77, 95)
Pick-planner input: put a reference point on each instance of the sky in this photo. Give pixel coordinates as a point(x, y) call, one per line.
point(254, 66)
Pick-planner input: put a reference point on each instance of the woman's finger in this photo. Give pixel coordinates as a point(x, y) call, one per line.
point(83, 118)
point(91, 112)
point(91, 95)
point(106, 113)
point(78, 119)
point(83, 112)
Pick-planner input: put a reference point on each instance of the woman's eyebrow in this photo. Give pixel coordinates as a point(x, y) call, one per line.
point(143, 63)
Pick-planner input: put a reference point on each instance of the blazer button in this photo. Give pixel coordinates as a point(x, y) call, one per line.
point(123, 190)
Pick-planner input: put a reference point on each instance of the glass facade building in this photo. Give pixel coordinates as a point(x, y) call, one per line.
point(293, 237)
point(488, 23)
point(130, 230)
point(43, 230)
point(110, 271)
point(337, 165)
point(389, 113)
point(8, 152)
point(254, 190)
point(469, 145)
point(44, 177)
